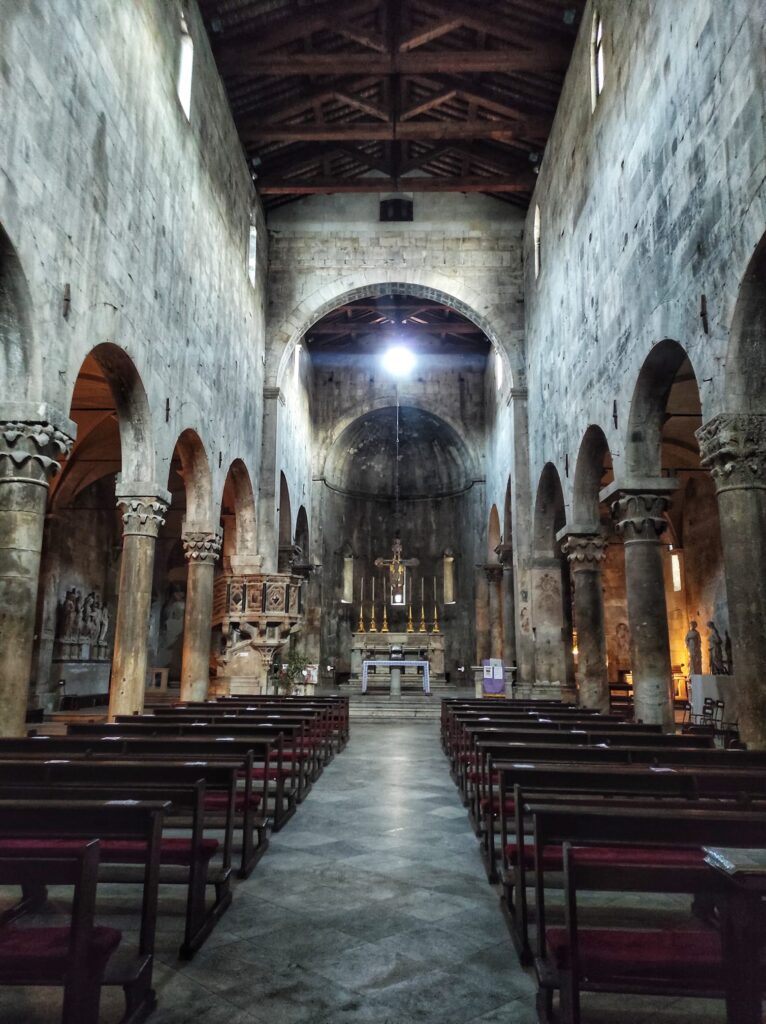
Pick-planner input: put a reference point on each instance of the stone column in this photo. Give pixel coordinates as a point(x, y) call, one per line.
point(29, 453)
point(733, 448)
point(638, 514)
point(494, 574)
point(508, 599)
point(144, 507)
point(482, 616)
point(586, 552)
point(202, 548)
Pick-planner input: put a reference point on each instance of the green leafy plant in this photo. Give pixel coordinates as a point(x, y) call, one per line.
point(291, 672)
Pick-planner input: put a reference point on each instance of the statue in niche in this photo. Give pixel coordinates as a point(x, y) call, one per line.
point(622, 645)
point(103, 625)
point(70, 615)
point(524, 619)
point(715, 651)
point(694, 647)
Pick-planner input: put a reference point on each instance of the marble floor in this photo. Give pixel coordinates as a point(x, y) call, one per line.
point(371, 907)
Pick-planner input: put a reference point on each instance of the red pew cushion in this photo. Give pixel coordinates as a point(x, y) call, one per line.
point(39, 955)
point(692, 956)
point(172, 851)
point(510, 805)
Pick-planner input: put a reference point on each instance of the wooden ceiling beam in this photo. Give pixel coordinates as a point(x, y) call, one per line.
point(507, 61)
point(430, 104)
point(307, 100)
point(456, 184)
point(427, 33)
point(359, 104)
point(286, 30)
point(356, 329)
point(483, 18)
point(407, 130)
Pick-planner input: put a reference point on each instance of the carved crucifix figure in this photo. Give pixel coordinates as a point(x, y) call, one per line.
point(397, 570)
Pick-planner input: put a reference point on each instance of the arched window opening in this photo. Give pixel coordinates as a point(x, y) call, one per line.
point(185, 68)
point(597, 59)
point(538, 242)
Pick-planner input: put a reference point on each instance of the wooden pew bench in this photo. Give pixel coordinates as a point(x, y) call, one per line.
point(251, 799)
point(574, 784)
point(630, 850)
point(31, 828)
point(74, 956)
point(186, 859)
point(284, 775)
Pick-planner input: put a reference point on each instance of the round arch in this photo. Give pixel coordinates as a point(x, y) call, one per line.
point(195, 472)
point(243, 500)
point(20, 363)
point(311, 311)
point(285, 536)
point(592, 455)
point(302, 535)
point(549, 515)
point(643, 449)
point(494, 537)
point(745, 381)
point(131, 406)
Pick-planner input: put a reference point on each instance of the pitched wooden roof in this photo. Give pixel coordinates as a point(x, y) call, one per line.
point(393, 95)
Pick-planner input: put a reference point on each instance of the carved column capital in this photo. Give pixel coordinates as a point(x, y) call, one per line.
point(142, 516)
point(30, 450)
point(641, 517)
point(202, 546)
point(733, 448)
point(494, 573)
point(584, 550)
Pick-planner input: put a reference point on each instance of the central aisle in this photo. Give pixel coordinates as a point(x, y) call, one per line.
point(372, 908)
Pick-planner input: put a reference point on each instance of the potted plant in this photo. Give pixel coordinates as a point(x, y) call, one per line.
point(292, 673)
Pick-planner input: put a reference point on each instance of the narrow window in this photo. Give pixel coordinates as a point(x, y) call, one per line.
point(252, 245)
point(348, 579)
point(675, 568)
point(498, 370)
point(185, 67)
point(449, 577)
point(597, 59)
point(538, 242)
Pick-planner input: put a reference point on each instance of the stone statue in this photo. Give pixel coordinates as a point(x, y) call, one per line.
point(103, 625)
point(715, 650)
point(69, 616)
point(694, 647)
point(622, 644)
point(90, 617)
point(729, 655)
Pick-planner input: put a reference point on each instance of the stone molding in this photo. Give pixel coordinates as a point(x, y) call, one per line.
point(202, 546)
point(640, 517)
point(733, 448)
point(30, 451)
point(142, 516)
point(584, 550)
point(504, 554)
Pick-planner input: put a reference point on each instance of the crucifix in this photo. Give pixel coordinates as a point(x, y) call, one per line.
point(397, 571)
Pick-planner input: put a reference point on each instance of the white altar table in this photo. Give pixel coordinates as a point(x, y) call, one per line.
point(393, 663)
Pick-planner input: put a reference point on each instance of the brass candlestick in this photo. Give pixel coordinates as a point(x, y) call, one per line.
point(436, 621)
point(384, 627)
point(422, 628)
point(360, 627)
point(410, 627)
point(373, 625)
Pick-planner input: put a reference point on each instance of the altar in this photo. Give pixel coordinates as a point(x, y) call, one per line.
point(420, 659)
point(395, 667)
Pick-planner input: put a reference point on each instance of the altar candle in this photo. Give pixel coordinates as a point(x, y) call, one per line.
point(434, 590)
point(422, 589)
point(362, 597)
point(373, 591)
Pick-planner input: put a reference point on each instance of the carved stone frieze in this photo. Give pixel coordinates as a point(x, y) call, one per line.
point(733, 448)
point(584, 550)
point(202, 546)
point(142, 516)
point(641, 516)
point(31, 450)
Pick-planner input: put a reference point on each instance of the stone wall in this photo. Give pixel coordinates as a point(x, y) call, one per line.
point(110, 196)
point(648, 203)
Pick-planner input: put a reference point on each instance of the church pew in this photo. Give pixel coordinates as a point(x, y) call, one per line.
point(249, 808)
point(596, 734)
point(184, 861)
point(452, 706)
point(598, 780)
point(338, 706)
point(303, 746)
point(339, 703)
point(311, 752)
point(74, 956)
point(35, 827)
point(286, 779)
point(630, 850)
point(315, 745)
point(485, 802)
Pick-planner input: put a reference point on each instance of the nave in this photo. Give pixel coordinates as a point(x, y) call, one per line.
point(370, 907)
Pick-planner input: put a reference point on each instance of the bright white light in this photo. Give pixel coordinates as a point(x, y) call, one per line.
point(399, 361)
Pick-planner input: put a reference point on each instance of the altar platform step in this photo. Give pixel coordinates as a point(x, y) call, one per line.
point(372, 707)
